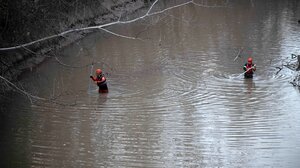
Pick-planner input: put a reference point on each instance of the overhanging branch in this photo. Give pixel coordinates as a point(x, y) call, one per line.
point(102, 27)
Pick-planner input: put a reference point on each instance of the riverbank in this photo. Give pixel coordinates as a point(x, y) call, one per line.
point(51, 19)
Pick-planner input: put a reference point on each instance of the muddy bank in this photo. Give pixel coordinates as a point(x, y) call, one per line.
point(29, 21)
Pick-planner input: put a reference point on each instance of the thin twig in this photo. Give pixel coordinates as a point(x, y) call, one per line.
point(280, 68)
point(211, 6)
point(21, 90)
point(238, 55)
point(119, 35)
point(70, 66)
point(151, 7)
point(30, 96)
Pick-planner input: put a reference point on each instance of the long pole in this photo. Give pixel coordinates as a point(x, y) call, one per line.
point(246, 71)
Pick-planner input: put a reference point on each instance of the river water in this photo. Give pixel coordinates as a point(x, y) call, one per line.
point(176, 94)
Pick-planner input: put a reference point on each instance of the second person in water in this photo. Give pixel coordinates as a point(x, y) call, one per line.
point(249, 68)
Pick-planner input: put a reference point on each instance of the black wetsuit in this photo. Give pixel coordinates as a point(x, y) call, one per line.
point(249, 73)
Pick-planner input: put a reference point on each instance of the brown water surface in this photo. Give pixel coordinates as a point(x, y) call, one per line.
point(176, 96)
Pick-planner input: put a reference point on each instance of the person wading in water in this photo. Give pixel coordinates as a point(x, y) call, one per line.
point(249, 68)
point(100, 80)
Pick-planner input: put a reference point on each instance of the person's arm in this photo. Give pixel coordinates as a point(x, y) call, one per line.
point(245, 68)
point(92, 78)
point(254, 67)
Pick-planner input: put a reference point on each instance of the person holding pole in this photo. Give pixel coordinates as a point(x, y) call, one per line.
point(249, 68)
point(100, 80)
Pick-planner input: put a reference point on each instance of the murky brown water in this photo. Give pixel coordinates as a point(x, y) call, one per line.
point(176, 98)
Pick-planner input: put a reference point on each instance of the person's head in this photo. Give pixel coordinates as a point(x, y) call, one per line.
point(98, 71)
point(249, 60)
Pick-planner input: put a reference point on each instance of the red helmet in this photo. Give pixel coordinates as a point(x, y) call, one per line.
point(250, 60)
point(98, 71)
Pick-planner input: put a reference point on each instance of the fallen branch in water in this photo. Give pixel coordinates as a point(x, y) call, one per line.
point(296, 80)
point(294, 66)
point(280, 68)
point(32, 97)
point(64, 64)
point(21, 90)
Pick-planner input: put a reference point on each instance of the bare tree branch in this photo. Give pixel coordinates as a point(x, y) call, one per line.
point(211, 6)
point(21, 90)
point(29, 95)
point(169, 8)
point(151, 7)
point(71, 66)
point(119, 35)
point(33, 97)
point(102, 27)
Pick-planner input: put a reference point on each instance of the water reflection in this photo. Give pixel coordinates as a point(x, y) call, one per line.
point(250, 85)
